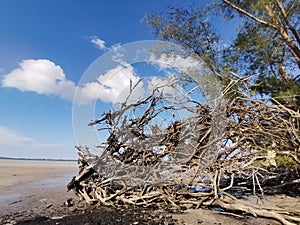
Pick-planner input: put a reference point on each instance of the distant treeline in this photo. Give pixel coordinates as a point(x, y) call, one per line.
point(57, 160)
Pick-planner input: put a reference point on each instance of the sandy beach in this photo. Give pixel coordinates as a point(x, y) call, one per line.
point(34, 192)
point(33, 186)
point(15, 173)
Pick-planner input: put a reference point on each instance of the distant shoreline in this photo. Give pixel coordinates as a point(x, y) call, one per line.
point(39, 159)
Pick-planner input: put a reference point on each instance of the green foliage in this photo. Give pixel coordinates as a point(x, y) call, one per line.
point(186, 27)
point(283, 92)
point(289, 93)
point(282, 163)
point(262, 51)
point(257, 51)
point(285, 161)
point(273, 160)
point(258, 48)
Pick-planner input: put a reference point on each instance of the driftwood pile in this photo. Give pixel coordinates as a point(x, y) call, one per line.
point(206, 157)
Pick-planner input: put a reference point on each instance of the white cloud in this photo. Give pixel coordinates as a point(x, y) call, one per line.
point(113, 86)
point(116, 84)
point(166, 85)
point(10, 137)
point(41, 76)
point(98, 42)
point(44, 77)
point(167, 61)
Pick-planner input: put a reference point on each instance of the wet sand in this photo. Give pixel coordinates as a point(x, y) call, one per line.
point(14, 174)
point(28, 187)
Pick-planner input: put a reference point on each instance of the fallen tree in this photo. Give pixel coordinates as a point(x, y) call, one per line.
point(209, 157)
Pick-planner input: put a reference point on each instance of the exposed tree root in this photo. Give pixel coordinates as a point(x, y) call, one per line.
point(255, 210)
point(198, 161)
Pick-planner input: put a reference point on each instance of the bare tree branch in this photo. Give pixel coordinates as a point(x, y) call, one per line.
point(248, 14)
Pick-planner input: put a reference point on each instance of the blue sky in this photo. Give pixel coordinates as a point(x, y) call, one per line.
point(45, 48)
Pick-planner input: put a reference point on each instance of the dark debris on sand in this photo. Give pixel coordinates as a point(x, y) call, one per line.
point(107, 216)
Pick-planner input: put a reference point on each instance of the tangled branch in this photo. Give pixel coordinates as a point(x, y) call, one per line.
point(207, 156)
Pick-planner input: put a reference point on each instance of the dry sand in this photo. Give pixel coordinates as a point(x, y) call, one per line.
point(30, 189)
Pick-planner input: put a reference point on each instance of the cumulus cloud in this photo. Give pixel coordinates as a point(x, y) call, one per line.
point(98, 42)
point(41, 76)
point(116, 84)
point(113, 86)
point(44, 77)
point(10, 137)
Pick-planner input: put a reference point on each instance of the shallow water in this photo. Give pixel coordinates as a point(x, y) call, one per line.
point(53, 182)
point(20, 192)
point(9, 197)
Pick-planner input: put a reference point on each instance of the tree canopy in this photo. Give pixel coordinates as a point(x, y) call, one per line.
point(265, 46)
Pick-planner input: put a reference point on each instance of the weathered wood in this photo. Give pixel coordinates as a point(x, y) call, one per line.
point(197, 161)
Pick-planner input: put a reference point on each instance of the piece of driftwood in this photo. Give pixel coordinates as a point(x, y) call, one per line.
point(209, 157)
